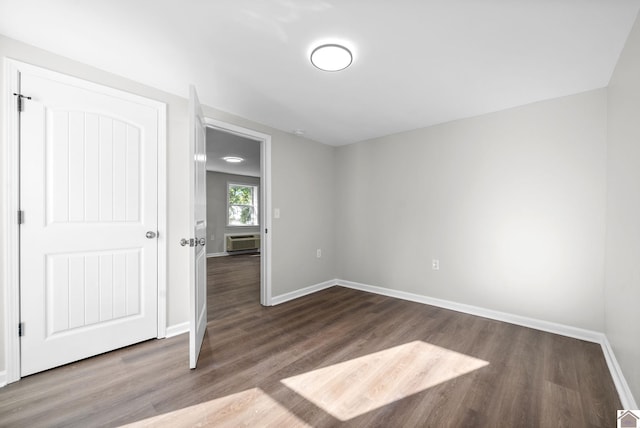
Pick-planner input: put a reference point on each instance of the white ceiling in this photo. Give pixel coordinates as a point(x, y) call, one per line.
point(221, 144)
point(416, 62)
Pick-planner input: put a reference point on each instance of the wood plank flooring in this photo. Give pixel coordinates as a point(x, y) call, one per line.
point(336, 358)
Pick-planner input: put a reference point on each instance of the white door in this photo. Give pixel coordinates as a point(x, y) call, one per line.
point(88, 248)
point(198, 228)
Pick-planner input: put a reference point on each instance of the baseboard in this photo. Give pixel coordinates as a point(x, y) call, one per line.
point(3, 378)
point(222, 254)
point(276, 300)
point(564, 330)
point(177, 329)
point(626, 397)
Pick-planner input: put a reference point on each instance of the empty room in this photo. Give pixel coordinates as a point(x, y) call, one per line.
point(318, 213)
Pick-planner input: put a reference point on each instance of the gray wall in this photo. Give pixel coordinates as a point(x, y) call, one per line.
point(217, 209)
point(622, 292)
point(511, 203)
point(307, 213)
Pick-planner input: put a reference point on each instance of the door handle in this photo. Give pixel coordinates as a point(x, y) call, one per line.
point(193, 242)
point(151, 234)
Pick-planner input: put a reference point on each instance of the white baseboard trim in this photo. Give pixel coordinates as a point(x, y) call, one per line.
point(177, 329)
point(3, 378)
point(222, 254)
point(626, 397)
point(276, 300)
point(551, 327)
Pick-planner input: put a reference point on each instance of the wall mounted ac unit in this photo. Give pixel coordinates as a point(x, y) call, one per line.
point(243, 242)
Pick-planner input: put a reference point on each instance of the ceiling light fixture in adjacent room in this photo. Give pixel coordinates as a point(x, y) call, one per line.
point(331, 57)
point(233, 159)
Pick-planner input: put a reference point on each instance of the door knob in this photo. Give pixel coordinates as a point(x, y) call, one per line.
point(202, 241)
point(151, 234)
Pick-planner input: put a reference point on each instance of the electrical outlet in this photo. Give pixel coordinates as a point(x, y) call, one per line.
point(319, 253)
point(435, 264)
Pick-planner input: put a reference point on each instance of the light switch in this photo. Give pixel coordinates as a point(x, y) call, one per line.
point(276, 213)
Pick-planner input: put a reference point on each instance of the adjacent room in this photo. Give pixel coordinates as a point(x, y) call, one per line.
point(320, 213)
point(233, 218)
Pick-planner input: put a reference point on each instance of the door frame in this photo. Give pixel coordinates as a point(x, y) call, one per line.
point(11, 202)
point(265, 198)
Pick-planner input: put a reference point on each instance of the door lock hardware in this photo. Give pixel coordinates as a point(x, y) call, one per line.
point(193, 242)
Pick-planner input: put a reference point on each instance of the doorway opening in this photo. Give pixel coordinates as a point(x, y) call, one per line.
point(238, 202)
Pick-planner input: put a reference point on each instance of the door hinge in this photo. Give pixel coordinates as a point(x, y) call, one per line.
point(20, 217)
point(21, 329)
point(20, 101)
point(266, 231)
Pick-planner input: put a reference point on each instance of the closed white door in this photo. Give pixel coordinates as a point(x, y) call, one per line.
point(88, 247)
point(198, 228)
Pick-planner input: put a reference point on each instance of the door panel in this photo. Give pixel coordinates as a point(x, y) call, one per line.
point(198, 227)
point(88, 175)
point(93, 169)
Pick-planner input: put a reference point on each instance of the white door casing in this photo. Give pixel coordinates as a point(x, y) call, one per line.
point(197, 228)
point(89, 158)
point(265, 198)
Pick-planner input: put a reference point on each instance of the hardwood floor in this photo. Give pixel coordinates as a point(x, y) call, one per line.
point(336, 358)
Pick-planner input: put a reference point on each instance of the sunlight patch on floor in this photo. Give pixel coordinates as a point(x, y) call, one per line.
point(349, 389)
point(252, 408)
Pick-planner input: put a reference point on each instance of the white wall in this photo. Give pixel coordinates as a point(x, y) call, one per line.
point(511, 203)
point(297, 164)
point(622, 291)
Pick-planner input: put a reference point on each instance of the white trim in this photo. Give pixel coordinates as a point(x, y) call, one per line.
point(177, 329)
point(264, 208)
point(626, 397)
point(11, 246)
point(551, 327)
point(3, 378)
point(12, 175)
point(163, 229)
point(265, 221)
point(622, 387)
point(276, 300)
point(222, 254)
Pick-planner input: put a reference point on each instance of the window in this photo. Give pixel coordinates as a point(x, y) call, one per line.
point(242, 200)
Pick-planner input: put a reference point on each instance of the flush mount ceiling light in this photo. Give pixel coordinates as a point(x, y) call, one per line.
point(331, 57)
point(232, 159)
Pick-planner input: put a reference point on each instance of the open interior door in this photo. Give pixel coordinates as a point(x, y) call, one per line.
point(198, 228)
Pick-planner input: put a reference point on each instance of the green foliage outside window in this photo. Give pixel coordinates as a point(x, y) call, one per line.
point(243, 205)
